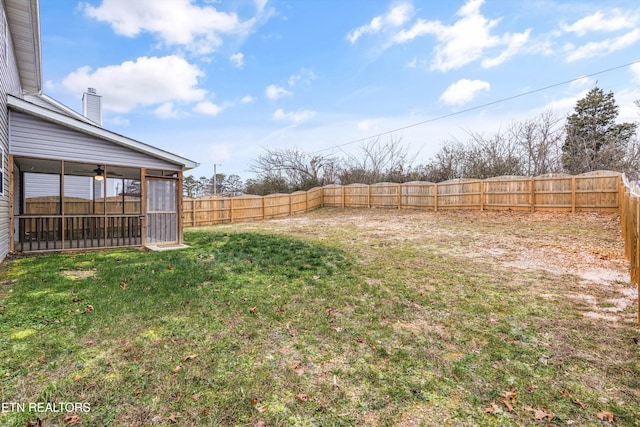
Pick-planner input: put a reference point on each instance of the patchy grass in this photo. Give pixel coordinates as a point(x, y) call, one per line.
point(338, 317)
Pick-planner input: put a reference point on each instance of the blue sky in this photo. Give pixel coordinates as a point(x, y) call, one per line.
point(218, 81)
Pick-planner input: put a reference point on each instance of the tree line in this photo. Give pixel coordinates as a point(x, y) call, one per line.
point(586, 140)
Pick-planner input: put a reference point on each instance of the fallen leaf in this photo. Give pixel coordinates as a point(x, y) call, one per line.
point(509, 395)
point(541, 414)
point(72, 419)
point(259, 408)
point(124, 285)
point(298, 369)
point(195, 396)
point(189, 357)
point(302, 397)
point(507, 404)
point(492, 408)
point(252, 310)
point(89, 309)
point(173, 418)
point(260, 424)
point(78, 377)
point(606, 416)
point(531, 387)
point(177, 368)
point(573, 399)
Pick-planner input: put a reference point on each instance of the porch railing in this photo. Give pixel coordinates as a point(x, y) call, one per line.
point(55, 232)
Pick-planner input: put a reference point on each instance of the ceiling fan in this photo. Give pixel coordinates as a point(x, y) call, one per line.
point(98, 173)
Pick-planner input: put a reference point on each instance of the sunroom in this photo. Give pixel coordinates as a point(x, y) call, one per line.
point(75, 185)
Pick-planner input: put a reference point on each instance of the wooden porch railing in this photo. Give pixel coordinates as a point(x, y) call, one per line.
point(55, 232)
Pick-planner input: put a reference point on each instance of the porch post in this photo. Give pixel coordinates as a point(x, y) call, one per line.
point(143, 204)
point(63, 229)
point(179, 213)
point(11, 205)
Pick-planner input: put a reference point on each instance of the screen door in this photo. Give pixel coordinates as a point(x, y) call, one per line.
point(162, 216)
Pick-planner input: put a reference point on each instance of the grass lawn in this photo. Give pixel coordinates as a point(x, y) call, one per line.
point(338, 317)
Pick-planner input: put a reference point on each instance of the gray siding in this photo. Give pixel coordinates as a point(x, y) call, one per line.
point(34, 137)
point(9, 84)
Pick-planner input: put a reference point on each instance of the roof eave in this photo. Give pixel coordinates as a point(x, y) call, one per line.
point(18, 104)
point(26, 42)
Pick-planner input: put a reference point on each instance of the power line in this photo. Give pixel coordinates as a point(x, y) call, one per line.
point(476, 107)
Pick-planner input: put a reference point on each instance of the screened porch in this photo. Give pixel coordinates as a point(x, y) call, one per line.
point(62, 205)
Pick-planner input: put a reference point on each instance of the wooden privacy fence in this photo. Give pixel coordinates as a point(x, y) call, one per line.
point(600, 191)
point(630, 221)
point(592, 192)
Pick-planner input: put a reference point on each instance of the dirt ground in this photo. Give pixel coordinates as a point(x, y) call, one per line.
point(586, 245)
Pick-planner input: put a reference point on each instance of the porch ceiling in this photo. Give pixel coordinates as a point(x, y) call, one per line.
point(26, 164)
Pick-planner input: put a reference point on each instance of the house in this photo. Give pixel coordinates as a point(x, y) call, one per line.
point(65, 181)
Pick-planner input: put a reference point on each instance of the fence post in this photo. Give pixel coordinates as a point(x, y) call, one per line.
point(369, 196)
point(482, 195)
point(435, 196)
point(306, 201)
point(532, 196)
point(231, 209)
point(637, 260)
point(399, 196)
point(342, 194)
point(573, 194)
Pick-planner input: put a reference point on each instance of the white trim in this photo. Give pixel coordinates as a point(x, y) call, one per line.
point(3, 158)
point(19, 104)
point(63, 107)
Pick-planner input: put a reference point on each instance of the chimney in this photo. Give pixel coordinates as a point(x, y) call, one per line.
point(91, 106)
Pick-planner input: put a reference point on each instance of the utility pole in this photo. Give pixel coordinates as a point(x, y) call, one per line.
point(215, 178)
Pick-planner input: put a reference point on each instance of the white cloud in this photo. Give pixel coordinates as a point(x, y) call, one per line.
point(248, 99)
point(119, 121)
point(219, 153)
point(174, 22)
point(166, 111)
point(274, 92)
point(466, 40)
point(305, 75)
point(614, 20)
point(145, 81)
point(605, 46)
point(635, 70)
point(514, 43)
point(367, 125)
point(237, 59)
point(208, 108)
point(294, 116)
point(582, 82)
point(396, 17)
point(565, 105)
point(464, 91)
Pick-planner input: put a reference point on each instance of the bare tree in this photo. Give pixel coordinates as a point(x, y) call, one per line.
point(376, 161)
point(446, 163)
point(540, 143)
point(487, 157)
point(300, 170)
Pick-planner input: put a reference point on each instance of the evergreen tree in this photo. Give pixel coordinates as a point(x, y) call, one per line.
point(593, 139)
